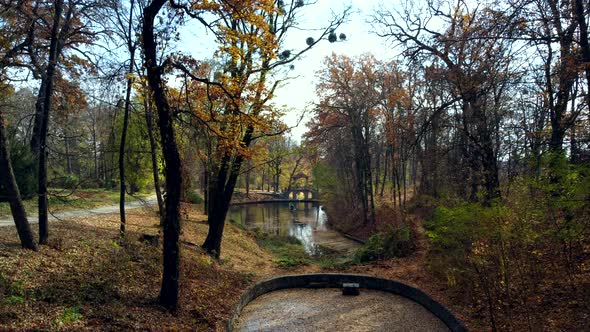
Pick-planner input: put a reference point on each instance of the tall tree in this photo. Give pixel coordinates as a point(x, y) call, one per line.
point(171, 251)
point(125, 26)
point(14, 38)
point(67, 30)
point(39, 139)
point(556, 23)
point(473, 46)
point(8, 182)
point(149, 118)
point(350, 93)
point(251, 35)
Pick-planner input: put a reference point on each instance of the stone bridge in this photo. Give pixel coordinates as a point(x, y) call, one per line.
point(293, 193)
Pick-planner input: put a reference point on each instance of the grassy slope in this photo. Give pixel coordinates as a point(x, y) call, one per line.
point(85, 280)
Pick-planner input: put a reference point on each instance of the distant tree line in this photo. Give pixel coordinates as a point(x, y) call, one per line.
point(482, 121)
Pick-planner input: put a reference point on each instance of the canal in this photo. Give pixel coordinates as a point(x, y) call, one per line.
point(306, 221)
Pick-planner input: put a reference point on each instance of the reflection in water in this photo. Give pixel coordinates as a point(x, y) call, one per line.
point(300, 220)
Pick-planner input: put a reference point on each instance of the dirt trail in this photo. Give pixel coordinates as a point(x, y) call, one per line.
point(108, 209)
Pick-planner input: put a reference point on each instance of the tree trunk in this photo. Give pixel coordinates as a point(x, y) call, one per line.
point(404, 180)
point(584, 43)
point(269, 180)
point(154, 156)
point(95, 150)
point(205, 190)
point(68, 159)
point(393, 184)
point(297, 162)
point(38, 121)
point(360, 168)
point(369, 187)
point(124, 133)
point(171, 251)
point(40, 130)
point(566, 78)
point(221, 189)
point(385, 166)
point(492, 180)
point(399, 189)
point(248, 179)
point(16, 204)
point(218, 206)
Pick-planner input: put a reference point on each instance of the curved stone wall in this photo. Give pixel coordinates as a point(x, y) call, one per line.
point(334, 280)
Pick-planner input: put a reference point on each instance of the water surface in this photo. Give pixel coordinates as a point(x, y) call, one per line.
point(306, 221)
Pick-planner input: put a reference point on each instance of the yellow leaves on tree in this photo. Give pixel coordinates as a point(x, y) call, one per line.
point(68, 97)
point(238, 99)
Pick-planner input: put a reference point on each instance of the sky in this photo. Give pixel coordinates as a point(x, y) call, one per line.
point(298, 92)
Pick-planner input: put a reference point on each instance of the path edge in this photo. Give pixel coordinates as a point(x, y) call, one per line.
point(335, 280)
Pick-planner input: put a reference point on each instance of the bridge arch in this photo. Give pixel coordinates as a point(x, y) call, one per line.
point(307, 193)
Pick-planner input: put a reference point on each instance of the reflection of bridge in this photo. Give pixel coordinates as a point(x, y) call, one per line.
point(293, 193)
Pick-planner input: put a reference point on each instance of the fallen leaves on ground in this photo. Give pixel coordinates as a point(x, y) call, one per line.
point(87, 279)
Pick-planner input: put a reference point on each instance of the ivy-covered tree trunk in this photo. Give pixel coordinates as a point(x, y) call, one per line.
point(171, 251)
point(16, 204)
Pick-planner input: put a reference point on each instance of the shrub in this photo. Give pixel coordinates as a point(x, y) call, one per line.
point(422, 206)
point(371, 250)
point(70, 181)
point(289, 249)
point(70, 315)
point(334, 263)
point(455, 233)
point(500, 257)
point(396, 241)
point(14, 299)
point(193, 197)
point(399, 242)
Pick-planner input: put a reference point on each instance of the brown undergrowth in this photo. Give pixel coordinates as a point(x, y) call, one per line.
point(87, 279)
point(560, 303)
point(411, 270)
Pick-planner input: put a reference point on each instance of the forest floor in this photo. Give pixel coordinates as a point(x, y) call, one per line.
point(86, 279)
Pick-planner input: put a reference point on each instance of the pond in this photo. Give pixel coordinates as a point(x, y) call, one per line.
point(306, 221)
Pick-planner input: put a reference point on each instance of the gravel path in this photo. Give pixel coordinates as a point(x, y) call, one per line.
point(328, 310)
point(33, 218)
